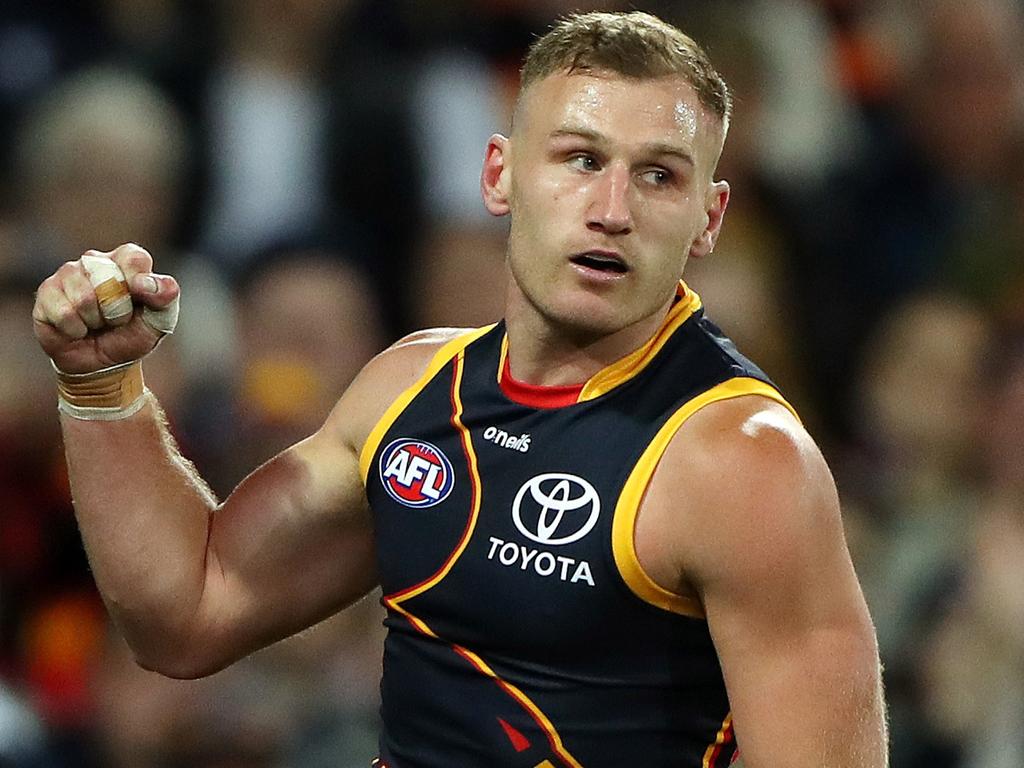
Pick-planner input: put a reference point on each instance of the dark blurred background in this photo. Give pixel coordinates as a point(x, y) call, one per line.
point(319, 159)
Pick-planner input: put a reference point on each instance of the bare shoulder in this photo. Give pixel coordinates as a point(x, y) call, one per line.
point(744, 476)
point(750, 514)
point(383, 379)
point(752, 441)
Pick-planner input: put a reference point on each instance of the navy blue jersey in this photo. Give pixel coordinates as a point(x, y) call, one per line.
point(522, 630)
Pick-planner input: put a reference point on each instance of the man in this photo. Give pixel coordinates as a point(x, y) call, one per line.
point(603, 537)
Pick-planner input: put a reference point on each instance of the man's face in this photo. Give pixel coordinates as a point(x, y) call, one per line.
point(610, 190)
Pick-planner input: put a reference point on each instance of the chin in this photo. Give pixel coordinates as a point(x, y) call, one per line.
point(589, 319)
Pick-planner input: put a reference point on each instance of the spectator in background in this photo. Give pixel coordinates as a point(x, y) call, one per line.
point(239, 718)
point(965, 107)
point(457, 107)
point(266, 116)
point(913, 493)
point(50, 615)
point(318, 322)
point(973, 665)
point(309, 702)
point(305, 128)
point(103, 155)
point(934, 174)
point(99, 156)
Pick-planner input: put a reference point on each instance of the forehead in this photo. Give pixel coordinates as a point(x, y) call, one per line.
point(657, 109)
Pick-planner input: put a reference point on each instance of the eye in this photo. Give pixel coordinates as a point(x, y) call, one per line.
point(657, 177)
point(581, 161)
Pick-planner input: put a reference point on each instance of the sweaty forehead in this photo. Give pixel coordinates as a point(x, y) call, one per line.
point(604, 102)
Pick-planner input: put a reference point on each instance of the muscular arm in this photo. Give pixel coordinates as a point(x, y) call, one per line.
point(192, 583)
point(783, 604)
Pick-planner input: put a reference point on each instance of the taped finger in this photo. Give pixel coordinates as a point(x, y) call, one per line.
point(162, 320)
point(109, 284)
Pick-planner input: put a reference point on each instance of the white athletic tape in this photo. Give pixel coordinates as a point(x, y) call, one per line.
point(109, 394)
point(162, 320)
point(91, 413)
point(111, 289)
point(115, 301)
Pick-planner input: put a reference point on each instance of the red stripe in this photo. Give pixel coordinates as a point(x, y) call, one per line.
point(463, 433)
point(393, 601)
point(720, 749)
point(535, 396)
point(512, 695)
point(519, 742)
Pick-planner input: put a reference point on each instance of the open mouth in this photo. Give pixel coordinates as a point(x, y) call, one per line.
point(601, 262)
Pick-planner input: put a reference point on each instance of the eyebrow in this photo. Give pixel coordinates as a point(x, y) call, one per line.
point(654, 148)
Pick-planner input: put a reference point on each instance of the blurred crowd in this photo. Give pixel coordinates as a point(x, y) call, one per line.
point(308, 170)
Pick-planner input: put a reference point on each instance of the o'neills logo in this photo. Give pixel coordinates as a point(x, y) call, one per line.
point(416, 473)
point(553, 509)
point(500, 437)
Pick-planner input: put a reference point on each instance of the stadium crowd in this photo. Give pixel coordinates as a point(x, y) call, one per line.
point(319, 159)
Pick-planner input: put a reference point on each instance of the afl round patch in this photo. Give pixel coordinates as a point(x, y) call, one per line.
point(416, 473)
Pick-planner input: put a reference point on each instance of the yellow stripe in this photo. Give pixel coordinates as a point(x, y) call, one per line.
point(719, 740)
point(437, 362)
point(632, 364)
point(628, 506)
point(522, 698)
point(545, 764)
point(395, 603)
point(420, 625)
point(474, 475)
point(501, 357)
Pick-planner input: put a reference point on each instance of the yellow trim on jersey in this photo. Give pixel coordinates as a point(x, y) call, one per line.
point(542, 720)
point(502, 356)
point(420, 625)
point(712, 751)
point(395, 601)
point(632, 364)
point(444, 355)
point(628, 506)
point(474, 512)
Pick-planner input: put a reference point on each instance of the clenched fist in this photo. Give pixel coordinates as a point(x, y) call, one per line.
point(79, 334)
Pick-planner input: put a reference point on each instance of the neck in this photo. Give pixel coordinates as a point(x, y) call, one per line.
point(542, 352)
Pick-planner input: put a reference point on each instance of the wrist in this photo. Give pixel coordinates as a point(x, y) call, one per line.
point(108, 394)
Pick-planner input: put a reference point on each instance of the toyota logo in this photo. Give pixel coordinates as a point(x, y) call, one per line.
point(558, 508)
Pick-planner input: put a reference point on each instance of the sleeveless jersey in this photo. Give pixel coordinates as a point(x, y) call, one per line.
point(522, 630)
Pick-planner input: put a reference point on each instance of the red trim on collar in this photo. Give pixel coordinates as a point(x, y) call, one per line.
point(537, 396)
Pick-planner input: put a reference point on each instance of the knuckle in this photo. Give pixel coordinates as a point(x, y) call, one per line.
point(48, 286)
point(66, 317)
point(134, 256)
point(82, 303)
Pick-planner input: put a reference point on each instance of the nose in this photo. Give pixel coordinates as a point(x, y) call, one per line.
point(609, 209)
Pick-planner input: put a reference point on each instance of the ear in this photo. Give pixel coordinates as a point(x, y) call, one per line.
point(718, 200)
point(496, 178)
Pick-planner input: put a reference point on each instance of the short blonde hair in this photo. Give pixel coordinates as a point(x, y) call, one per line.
point(633, 44)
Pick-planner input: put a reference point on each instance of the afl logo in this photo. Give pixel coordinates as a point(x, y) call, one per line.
point(415, 473)
point(556, 508)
